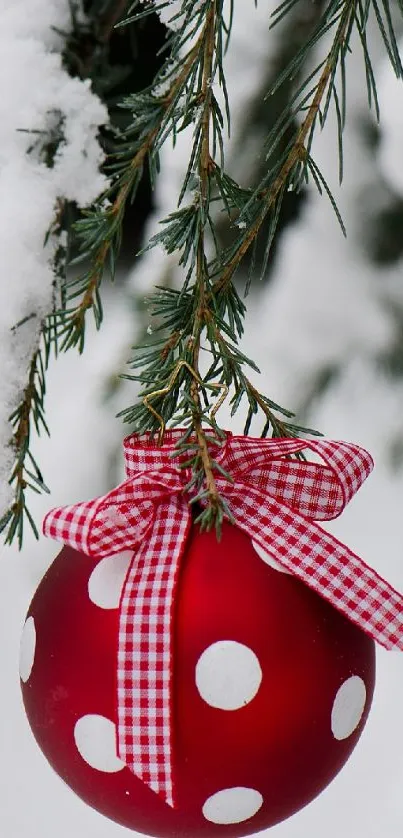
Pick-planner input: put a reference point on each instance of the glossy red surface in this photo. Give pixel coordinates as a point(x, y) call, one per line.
point(280, 743)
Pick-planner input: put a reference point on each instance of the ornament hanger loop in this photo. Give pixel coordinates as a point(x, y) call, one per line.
point(165, 390)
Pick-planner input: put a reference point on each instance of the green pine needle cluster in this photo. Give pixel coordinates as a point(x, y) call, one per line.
point(194, 347)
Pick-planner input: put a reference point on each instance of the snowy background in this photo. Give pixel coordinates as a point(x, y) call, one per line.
point(327, 307)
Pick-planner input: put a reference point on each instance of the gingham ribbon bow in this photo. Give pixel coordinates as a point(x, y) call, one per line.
point(276, 501)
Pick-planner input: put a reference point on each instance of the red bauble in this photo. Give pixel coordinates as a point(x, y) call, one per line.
point(272, 687)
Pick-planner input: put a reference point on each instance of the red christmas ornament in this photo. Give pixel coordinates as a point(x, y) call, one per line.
point(189, 687)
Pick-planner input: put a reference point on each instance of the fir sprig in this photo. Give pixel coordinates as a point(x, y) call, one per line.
point(100, 230)
point(204, 318)
point(26, 473)
point(201, 311)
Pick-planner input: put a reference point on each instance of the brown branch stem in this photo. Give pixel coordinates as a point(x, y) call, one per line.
point(200, 313)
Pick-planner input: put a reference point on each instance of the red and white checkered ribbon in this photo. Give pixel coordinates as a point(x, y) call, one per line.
point(274, 499)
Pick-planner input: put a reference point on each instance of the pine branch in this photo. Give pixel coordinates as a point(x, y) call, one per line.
point(100, 231)
point(207, 310)
point(196, 315)
point(297, 163)
point(297, 158)
point(25, 476)
point(213, 513)
point(206, 314)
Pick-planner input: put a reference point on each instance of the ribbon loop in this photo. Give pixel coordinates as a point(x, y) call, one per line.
point(116, 521)
point(276, 500)
point(318, 491)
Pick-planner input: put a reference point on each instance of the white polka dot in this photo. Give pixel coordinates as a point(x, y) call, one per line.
point(107, 579)
point(95, 738)
point(228, 675)
point(27, 649)
point(268, 559)
point(348, 707)
point(232, 805)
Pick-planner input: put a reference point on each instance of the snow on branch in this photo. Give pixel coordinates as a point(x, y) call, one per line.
point(49, 152)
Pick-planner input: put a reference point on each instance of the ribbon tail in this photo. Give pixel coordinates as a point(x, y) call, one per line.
point(324, 564)
point(145, 655)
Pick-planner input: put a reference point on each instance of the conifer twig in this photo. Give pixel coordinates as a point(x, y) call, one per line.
point(206, 313)
point(297, 154)
point(204, 176)
point(72, 327)
point(24, 476)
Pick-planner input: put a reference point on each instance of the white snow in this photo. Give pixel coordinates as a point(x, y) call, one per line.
point(36, 93)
